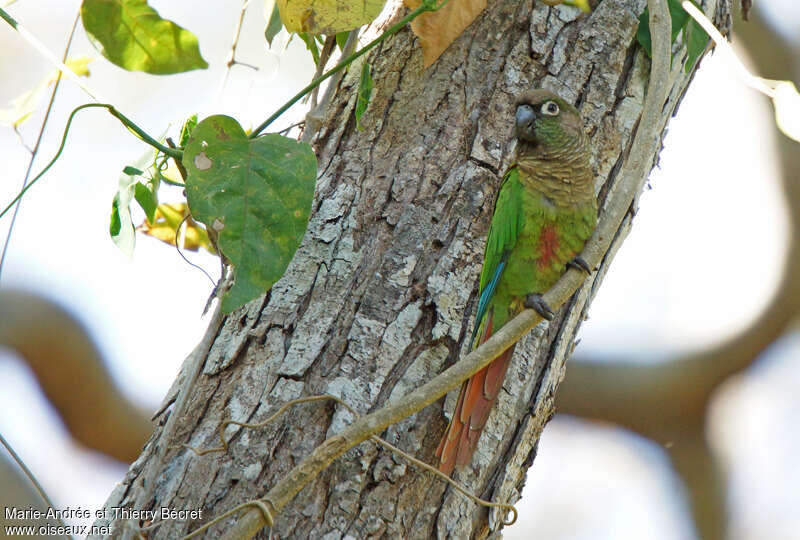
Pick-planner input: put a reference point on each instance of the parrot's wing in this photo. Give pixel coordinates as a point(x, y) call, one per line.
point(503, 233)
point(479, 392)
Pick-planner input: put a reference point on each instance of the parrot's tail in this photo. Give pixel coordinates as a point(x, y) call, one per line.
point(475, 401)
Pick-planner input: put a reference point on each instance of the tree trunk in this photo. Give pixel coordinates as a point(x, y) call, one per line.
point(381, 294)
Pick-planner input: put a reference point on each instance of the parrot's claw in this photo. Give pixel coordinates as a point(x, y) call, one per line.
point(536, 302)
point(579, 264)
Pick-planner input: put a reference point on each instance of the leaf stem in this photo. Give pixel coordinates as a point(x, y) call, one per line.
point(31, 478)
point(426, 5)
point(174, 153)
point(139, 132)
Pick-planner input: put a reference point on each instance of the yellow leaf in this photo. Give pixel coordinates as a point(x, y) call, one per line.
point(327, 16)
point(583, 5)
point(167, 220)
point(438, 29)
point(79, 65)
point(24, 105)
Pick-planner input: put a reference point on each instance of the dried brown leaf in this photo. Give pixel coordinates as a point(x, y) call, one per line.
point(438, 29)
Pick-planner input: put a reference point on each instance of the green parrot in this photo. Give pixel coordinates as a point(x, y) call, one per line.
point(545, 212)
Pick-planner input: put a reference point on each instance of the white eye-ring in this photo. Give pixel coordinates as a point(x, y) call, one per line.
point(550, 108)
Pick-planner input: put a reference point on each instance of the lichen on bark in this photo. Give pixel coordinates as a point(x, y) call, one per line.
point(381, 293)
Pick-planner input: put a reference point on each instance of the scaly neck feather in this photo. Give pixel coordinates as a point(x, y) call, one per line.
point(559, 171)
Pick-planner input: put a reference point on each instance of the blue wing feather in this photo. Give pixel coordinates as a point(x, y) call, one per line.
point(483, 302)
point(503, 233)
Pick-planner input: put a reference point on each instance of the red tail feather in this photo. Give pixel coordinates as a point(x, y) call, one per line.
point(475, 401)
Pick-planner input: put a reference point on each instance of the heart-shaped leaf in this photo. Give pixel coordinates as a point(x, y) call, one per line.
point(255, 194)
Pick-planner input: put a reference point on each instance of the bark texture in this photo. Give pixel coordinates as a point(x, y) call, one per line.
point(381, 294)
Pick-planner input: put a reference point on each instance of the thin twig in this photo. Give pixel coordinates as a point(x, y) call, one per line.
point(324, 56)
point(221, 430)
point(381, 442)
point(509, 508)
point(314, 116)
point(286, 130)
point(260, 506)
point(187, 261)
point(231, 60)
point(139, 132)
point(44, 51)
point(31, 478)
point(632, 178)
point(35, 150)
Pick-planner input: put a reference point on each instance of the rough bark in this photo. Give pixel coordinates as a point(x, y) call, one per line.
point(381, 293)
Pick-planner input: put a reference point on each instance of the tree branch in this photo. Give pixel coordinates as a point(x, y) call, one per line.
point(633, 176)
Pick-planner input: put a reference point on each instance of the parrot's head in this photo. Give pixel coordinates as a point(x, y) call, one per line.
point(546, 121)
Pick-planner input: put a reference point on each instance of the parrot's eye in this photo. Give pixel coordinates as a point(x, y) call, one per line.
point(550, 108)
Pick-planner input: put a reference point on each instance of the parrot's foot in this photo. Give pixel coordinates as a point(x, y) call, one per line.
point(536, 302)
point(579, 264)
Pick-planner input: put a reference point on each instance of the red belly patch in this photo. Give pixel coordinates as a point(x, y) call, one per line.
point(548, 246)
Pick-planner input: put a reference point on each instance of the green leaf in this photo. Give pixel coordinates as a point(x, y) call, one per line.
point(121, 227)
point(327, 16)
point(694, 37)
point(274, 23)
point(341, 39)
point(133, 36)
point(256, 194)
point(678, 17)
point(364, 93)
point(311, 45)
point(696, 40)
point(643, 33)
point(115, 225)
point(146, 199)
point(186, 129)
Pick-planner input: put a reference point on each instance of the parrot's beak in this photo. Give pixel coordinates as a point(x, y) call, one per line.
point(525, 118)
